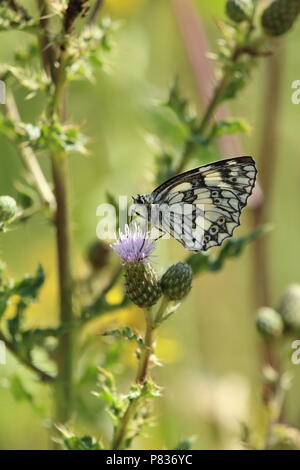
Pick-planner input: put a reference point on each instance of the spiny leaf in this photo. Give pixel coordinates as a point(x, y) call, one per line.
point(232, 248)
point(29, 287)
point(126, 332)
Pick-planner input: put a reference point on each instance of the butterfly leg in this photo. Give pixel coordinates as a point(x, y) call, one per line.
point(163, 232)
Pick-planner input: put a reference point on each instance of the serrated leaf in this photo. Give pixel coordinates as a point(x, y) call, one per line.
point(126, 332)
point(29, 287)
point(231, 249)
point(228, 126)
point(72, 442)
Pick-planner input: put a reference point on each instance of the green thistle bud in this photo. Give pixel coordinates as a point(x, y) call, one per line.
point(289, 308)
point(279, 17)
point(239, 10)
point(8, 208)
point(177, 281)
point(269, 323)
point(284, 438)
point(98, 254)
point(142, 285)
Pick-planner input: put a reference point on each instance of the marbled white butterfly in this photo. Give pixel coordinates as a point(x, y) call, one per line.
point(201, 207)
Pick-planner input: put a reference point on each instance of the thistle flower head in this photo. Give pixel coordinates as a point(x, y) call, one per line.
point(134, 245)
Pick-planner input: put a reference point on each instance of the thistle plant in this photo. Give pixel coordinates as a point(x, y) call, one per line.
point(67, 43)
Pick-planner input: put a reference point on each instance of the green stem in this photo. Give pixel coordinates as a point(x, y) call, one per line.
point(122, 428)
point(215, 100)
point(60, 171)
point(30, 161)
point(63, 243)
point(141, 377)
point(161, 310)
point(147, 350)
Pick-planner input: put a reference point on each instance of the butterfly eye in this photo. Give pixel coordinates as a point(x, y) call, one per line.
point(213, 230)
point(221, 220)
point(206, 238)
point(215, 194)
point(217, 201)
point(233, 179)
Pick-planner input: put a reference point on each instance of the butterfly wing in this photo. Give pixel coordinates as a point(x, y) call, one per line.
point(202, 207)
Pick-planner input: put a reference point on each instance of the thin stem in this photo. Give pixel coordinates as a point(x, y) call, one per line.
point(43, 376)
point(211, 107)
point(141, 377)
point(268, 157)
point(146, 351)
point(29, 159)
point(95, 11)
point(60, 173)
point(161, 310)
point(121, 430)
point(216, 98)
point(48, 52)
point(276, 409)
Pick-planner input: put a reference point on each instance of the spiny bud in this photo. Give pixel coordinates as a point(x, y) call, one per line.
point(284, 438)
point(8, 208)
point(98, 254)
point(239, 10)
point(269, 323)
point(177, 281)
point(142, 285)
point(279, 17)
point(289, 308)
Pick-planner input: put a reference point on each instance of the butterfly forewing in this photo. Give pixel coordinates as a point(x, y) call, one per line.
point(202, 207)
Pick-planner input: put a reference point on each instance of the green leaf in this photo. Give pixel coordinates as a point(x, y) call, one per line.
point(198, 262)
point(179, 105)
point(30, 286)
point(228, 126)
point(231, 249)
point(126, 332)
point(164, 163)
point(72, 442)
point(4, 298)
point(186, 444)
point(21, 394)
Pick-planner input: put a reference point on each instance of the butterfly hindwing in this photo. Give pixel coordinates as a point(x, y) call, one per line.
point(202, 207)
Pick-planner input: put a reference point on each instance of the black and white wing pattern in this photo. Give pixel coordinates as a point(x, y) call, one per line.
point(202, 207)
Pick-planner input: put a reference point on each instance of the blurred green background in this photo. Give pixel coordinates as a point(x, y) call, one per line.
point(210, 348)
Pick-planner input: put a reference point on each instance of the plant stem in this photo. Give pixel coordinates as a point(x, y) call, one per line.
point(60, 171)
point(267, 159)
point(216, 97)
point(29, 160)
point(147, 350)
point(94, 13)
point(141, 377)
point(63, 242)
point(43, 376)
point(211, 107)
point(161, 310)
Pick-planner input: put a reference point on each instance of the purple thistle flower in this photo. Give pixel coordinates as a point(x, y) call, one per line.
point(134, 244)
